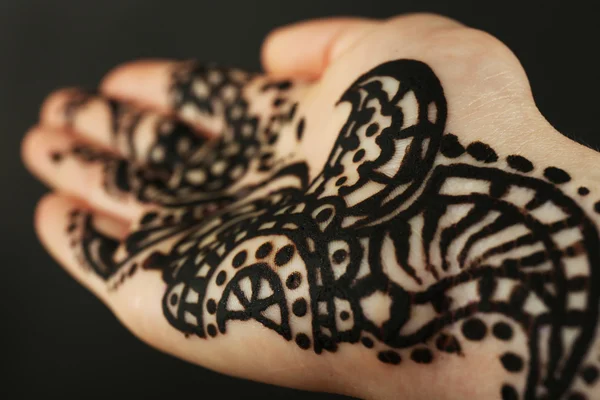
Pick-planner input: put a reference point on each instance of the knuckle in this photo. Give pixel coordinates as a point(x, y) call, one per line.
point(467, 41)
point(481, 56)
point(483, 42)
point(425, 20)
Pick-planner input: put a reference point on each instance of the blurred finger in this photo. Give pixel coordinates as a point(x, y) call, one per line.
point(208, 97)
point(93, 174)
point(54, 220)
point(139, 136)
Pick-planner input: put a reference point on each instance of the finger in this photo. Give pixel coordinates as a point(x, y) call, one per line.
point(144, 82)
point(140, 136)
point(63, 223)
point(306, 48)
point(220, 100)
point(258, 117)
point(92, 174)
point(55, 226)
point(206, 97)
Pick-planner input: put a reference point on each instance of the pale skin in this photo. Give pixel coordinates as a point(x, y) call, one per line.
point(489, 100)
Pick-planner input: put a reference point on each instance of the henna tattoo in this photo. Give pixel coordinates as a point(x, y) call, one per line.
point(407, 241)
point(181, 168)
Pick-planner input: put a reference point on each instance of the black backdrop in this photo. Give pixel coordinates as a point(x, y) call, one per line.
point(57, 339)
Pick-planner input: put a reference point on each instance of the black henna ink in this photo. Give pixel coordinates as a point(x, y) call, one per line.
point(421, 356)
point(556, 175)
point(482, 152)
point(511, 362)
point(451, 147)
point(590, 375)
point(502, 331)
point(519, 163)
point(300, 129)
point(474, 329)
point(322, 249)
point(508, 392)
point(448, 344)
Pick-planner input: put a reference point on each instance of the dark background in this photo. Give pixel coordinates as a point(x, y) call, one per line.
point(57, 339)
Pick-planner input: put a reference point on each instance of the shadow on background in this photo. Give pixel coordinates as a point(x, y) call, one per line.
point(57, 338)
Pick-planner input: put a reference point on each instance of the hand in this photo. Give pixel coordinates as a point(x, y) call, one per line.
point(381, 214)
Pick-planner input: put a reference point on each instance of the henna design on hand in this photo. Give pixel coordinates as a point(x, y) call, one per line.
point(405, 235)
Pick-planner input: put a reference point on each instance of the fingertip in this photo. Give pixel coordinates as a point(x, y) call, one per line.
point(42, 150)
point(52, 111)
point(269, 49)
point(144, 82)
point(113, 78)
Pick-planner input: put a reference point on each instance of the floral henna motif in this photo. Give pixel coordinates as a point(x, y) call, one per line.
point(407, 242)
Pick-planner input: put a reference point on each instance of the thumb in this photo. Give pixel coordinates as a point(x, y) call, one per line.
point(304, 50)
